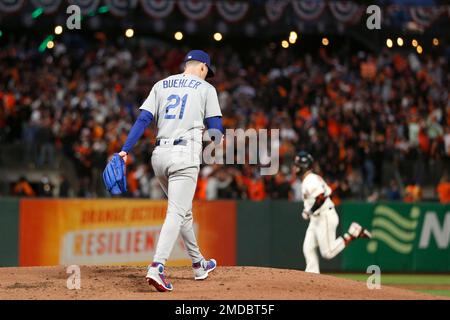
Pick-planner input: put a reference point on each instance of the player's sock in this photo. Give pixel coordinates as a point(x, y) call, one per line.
point(348, 238)
point(156, 264)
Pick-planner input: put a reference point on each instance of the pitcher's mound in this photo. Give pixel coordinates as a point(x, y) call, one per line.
point(100, 282)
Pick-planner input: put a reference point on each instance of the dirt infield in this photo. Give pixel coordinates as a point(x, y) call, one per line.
point(99, 282)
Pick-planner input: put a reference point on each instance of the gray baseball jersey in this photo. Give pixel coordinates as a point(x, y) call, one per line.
point(179, 104)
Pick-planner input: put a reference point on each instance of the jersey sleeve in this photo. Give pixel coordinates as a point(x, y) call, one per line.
point(212, 107)
point(150, 104)
point(314, 187)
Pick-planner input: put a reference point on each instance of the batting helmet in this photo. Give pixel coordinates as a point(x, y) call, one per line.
point(303, 162)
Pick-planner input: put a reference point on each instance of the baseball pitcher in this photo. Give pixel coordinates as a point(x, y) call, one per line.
point(181, 105)
point(319, 209)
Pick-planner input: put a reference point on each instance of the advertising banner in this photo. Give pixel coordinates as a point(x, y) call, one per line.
point(117, 232)
point(406, 237)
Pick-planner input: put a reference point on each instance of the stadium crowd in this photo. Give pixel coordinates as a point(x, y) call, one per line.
point(377, 124)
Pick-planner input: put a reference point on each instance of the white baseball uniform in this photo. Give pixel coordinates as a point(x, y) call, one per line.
point(179, 103)
point(321, 232)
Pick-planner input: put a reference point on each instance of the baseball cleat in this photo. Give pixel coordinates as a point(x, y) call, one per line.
point(365, 234)
point(203, 268)
point(155, 277)
point(355, 230)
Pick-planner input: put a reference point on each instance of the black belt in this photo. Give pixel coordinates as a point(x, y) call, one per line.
point(180, 142)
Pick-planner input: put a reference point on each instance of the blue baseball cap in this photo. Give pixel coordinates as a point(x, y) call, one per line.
point(202, 56)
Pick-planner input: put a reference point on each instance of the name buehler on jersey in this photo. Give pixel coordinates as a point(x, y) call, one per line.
point(180, 105)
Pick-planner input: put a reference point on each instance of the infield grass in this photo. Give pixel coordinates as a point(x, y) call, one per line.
point(426, 283)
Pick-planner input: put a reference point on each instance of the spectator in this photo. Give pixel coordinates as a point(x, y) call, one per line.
point(447, 141)
point(45, 188)
point(255, 188)
point(356, 113)
point(142, 177)
point(64, 187)
point(413, 193)
point(203, 182)
point(23, 188)
point(443, 190)
point(393, 192)
point(132, 181)
point(278, 186)
point(227, 185)
point(45, 143)
point(342, 191)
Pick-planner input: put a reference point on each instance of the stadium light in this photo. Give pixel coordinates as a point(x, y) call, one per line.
point(44, 43)
point(419, 49)
point(325, 41)
point(37, 12)
point(285, 44)
point(178, 35)
point(293, 37)
point(435, 42)
point(50, 44)
point(389, 43)
point(58, 30)
point(129, 33)
point(217, 36)
point(414, 43)
point(399, 42)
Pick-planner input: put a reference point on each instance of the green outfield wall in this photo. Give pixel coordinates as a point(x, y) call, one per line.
point(406, 237)
point(9, 232)
point(271, 233)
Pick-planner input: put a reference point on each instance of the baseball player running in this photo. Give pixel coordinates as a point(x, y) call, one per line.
point(180, 105)
point(319, 209)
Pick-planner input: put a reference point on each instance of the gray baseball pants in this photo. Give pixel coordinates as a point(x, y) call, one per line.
point(177, 173)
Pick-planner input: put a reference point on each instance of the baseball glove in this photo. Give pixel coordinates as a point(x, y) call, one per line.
point(114, 175)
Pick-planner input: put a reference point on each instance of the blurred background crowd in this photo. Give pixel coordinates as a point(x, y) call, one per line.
point(378, 125)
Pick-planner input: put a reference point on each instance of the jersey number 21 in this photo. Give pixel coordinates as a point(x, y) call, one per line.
point(174, 100)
